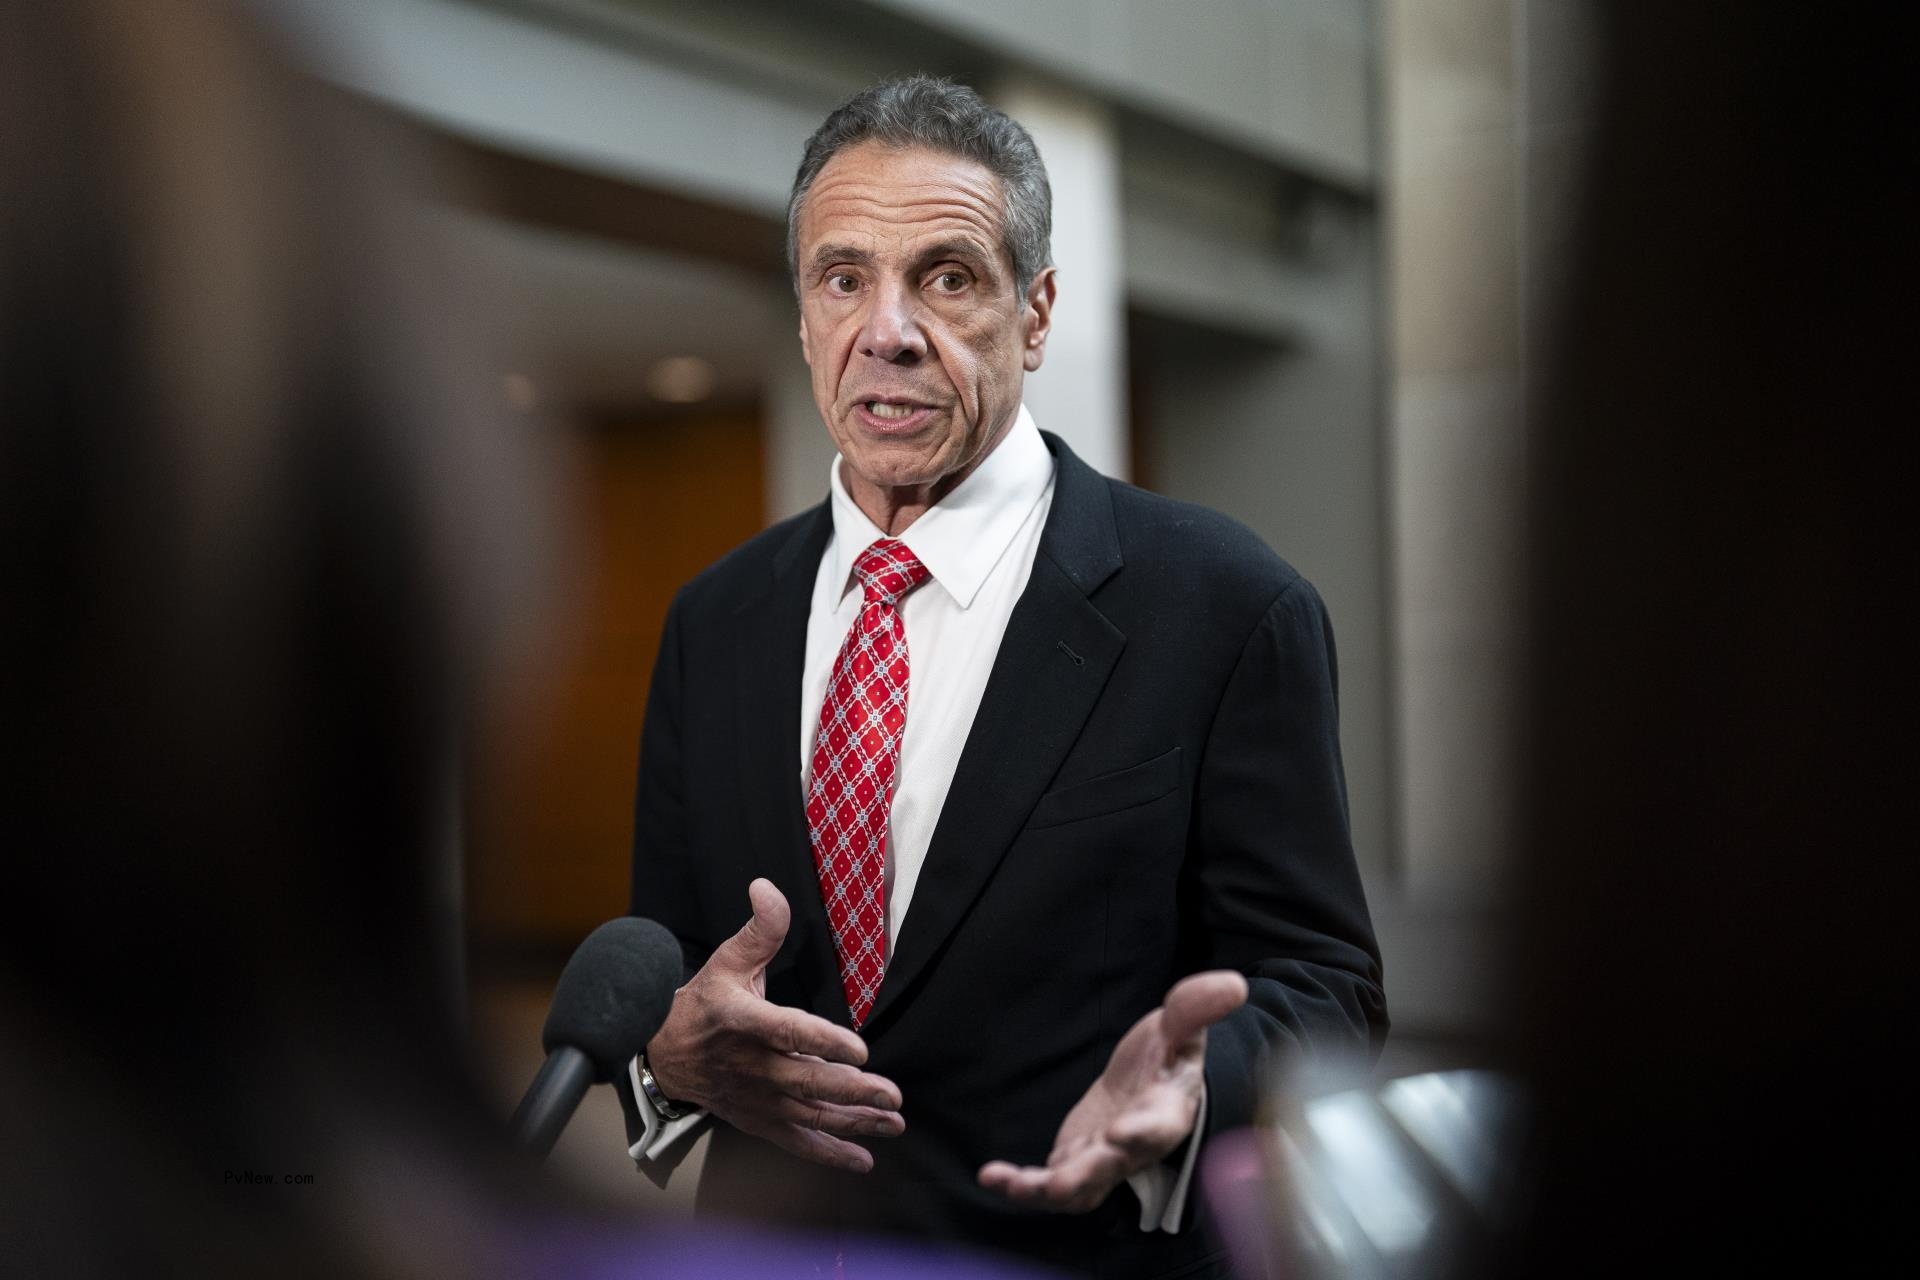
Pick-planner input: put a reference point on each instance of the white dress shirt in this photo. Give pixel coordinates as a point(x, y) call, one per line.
point(978, 542)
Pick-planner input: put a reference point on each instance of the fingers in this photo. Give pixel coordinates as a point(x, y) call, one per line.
point(1077, 1184)
point(845, 1122)
point(821, 1148)
point(760, 938)
point(797, 1031)
point(813, 1128)
point(1142, 1108)
point(1199, 1001)
point(820, 1081)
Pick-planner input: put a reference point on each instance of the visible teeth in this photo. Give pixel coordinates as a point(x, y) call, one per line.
point(880, 410)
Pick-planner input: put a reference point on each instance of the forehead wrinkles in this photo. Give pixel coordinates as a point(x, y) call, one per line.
point(841, 203)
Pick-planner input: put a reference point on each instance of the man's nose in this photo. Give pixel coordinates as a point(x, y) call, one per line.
point(892, 329)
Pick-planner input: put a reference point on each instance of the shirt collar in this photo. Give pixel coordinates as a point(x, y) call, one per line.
point(961, 537)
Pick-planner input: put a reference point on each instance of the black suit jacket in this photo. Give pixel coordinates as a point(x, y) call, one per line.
point(1152, 786)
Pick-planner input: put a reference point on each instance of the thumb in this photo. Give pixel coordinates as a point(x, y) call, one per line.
point(1199, 1001)
point(760, 937)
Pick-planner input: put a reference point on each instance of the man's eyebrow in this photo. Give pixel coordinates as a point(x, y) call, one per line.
point(965, 250)
point(828, 255)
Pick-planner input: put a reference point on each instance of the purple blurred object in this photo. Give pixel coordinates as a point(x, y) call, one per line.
point(588, 1251)
point(1233, 1176)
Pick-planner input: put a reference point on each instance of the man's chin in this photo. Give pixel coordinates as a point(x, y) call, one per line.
point(895, 464)
point(895, 480)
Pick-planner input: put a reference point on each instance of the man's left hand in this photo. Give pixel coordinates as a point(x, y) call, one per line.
point(1140, 1109)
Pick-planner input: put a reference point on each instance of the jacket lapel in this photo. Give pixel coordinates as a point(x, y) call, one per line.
point(771, 640)
point(1053, 663)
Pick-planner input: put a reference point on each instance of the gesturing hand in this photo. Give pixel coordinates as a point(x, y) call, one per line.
point(1140, 1109)
point(782, 1074)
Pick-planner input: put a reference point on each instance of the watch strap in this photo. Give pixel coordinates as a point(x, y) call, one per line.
point(660, 1102)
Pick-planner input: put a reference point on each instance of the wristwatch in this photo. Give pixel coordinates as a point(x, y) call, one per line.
point(667, 1107)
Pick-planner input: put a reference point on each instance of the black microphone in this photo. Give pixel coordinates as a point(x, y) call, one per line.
point(613, 995)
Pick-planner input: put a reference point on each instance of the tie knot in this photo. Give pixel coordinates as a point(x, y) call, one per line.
point(887, 571)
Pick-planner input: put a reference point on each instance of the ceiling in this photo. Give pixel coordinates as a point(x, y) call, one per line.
point(584, 319)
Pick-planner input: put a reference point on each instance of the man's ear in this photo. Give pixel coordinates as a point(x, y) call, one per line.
point(806, 348)
point(1039, 319)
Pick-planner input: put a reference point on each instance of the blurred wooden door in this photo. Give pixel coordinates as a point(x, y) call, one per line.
point(551, 803)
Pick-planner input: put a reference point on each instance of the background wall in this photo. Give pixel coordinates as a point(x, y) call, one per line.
point(1484, 119)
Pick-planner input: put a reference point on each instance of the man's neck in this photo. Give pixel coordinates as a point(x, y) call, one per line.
point(892, 510)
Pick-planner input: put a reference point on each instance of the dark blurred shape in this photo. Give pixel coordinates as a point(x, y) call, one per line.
point(1713, 952)
point(612, 996)
point(246, 527)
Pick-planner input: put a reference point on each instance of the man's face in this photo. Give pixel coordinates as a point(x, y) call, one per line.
point(910, 319)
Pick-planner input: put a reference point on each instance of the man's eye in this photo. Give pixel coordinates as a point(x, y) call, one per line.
point(951, 281)
point(841, 282)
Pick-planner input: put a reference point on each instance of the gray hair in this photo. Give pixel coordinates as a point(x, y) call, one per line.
point(922, 111)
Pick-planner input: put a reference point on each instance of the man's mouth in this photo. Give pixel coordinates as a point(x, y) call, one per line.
point(892, 415)
point(891, 408)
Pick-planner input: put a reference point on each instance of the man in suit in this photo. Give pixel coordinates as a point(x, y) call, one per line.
point(1025, 782)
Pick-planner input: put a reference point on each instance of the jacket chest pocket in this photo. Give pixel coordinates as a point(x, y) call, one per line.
point(1113, 792)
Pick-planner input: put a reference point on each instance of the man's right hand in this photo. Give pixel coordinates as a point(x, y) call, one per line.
point(782, 1074)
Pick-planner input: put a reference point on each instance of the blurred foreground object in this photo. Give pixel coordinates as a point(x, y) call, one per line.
point(1406, 1181)
point(261, 537)
point(1716, 974)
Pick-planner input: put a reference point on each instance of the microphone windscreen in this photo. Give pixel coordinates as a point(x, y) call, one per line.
point(614, 993)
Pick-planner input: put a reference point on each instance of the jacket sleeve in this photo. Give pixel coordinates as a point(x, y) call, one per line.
point(1271, 873)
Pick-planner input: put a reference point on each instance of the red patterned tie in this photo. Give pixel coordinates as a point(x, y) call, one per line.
point(862, 720)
